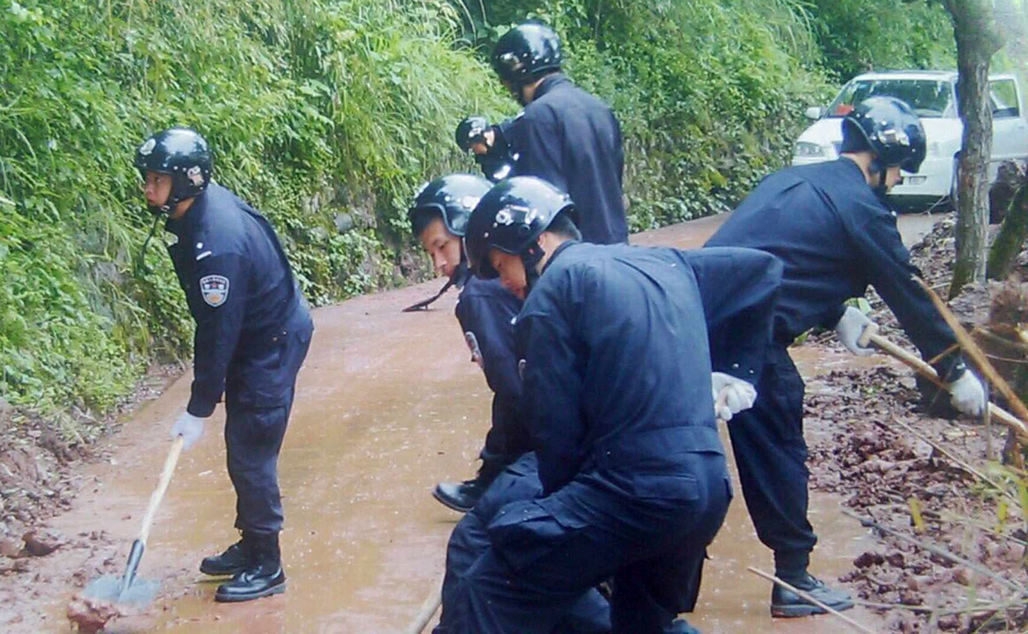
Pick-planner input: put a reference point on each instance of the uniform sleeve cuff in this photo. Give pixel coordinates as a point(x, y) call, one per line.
point(200, 407)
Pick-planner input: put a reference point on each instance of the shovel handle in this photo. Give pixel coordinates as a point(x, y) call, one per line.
point(162, 486)
point(871, 336)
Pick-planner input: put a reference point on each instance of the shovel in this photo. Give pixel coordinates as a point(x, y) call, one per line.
point(871, 336)
point(126, 589)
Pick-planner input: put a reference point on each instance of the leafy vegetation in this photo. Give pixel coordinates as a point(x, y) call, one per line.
point(326, 114)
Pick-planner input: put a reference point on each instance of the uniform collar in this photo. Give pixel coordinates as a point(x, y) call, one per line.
point(557, 253)
point(187, 224)
point(548, 82)
point(855, 168)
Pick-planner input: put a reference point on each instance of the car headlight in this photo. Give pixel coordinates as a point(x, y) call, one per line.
point(807, 149)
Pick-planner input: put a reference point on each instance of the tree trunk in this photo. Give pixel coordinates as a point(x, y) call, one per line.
point(1011, 235)
point(977, 39)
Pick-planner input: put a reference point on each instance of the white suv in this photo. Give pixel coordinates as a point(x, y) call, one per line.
point(933, 96)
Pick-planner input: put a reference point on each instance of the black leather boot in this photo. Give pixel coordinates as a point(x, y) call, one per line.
point(786, 603)
point(262, 578)
point(234, 560)
point(459, 496)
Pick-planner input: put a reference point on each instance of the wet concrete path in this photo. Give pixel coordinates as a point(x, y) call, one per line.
point(387, 405)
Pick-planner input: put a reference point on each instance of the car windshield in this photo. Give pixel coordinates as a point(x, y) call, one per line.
point(928, 97)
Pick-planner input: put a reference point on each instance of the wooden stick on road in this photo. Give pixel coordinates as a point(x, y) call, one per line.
point(428, 608)
point(855, 625)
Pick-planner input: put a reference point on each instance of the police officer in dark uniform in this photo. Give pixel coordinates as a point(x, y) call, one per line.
point(485, 311)
point(617, 393)
point(565, 135)
point(253, 329)
point(831, 226)
point(475, 136)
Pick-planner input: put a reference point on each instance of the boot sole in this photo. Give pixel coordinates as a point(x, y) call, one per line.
point(448, 504)
point(797, 611)
point(239, 598)
point(222, 573)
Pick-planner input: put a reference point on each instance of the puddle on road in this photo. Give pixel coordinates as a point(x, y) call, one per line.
point(388, 404)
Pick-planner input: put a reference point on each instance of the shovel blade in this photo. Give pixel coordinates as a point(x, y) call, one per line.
point(108, 588)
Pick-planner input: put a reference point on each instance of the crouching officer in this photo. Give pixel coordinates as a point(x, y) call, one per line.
point(253, 329)
point(617, 398)
point(831, 227)
point(485, 311)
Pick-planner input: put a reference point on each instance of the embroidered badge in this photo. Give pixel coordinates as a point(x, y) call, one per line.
point(195, 175)
point(214, 289)
point(476, 352)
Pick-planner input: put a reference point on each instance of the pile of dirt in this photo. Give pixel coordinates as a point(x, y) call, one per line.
point(39, 460)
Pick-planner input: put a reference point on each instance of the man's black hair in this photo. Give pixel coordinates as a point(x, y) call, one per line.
point(565, 227)
point(420, 219)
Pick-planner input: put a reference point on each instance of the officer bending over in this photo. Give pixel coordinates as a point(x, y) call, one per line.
point(831, 227)
point(565, 135)
point(252, 334)
point(617, 397)
point(485, 311)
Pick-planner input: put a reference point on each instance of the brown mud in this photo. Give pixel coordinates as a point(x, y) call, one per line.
point(383, 412)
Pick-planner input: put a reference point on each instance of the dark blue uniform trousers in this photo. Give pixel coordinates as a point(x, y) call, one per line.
point(590, 614)
point(771, 455)
point(545, 553)
point(254, 430)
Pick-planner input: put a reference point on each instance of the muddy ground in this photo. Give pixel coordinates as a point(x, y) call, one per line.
point(377, 423)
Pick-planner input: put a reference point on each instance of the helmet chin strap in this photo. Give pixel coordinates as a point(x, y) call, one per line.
point(141, 266)
point(530, 258)
point(876, 167)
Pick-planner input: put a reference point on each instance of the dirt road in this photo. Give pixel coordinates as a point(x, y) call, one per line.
point(387, 405)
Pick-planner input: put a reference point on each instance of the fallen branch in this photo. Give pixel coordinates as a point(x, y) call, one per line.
point(935, 550)
point(963, 465)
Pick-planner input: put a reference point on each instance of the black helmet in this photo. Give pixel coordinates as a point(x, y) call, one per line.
point(471, 130)
point(510, 217)
point(181, 152)
point(525, 52)
point(890, 129)
point(452, 197)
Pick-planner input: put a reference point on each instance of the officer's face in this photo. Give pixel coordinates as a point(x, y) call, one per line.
point(156, 188)
point(512, 272)
point(442, 246)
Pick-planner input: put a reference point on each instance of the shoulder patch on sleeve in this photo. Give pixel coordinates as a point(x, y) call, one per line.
point(214, 289)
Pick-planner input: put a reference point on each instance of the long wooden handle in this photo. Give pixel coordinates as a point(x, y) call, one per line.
point(162, 486)
point(870, 335)
point(427, 609)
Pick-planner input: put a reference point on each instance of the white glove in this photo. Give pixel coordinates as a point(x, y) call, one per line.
point(189, 427)
point(967, 394)
point(851, 325)
point(731, 395)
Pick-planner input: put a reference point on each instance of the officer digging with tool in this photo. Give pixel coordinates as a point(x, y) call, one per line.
point(617, 392)
point(831, 226)
point(485, 311)
point(565, 135)
point(253, 329)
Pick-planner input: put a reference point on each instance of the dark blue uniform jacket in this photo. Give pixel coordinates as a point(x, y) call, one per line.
point(243, 298)
point(835, 237)
point(629, 423)
point(572, 139)
point(487, 310)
